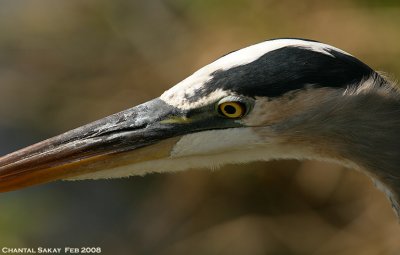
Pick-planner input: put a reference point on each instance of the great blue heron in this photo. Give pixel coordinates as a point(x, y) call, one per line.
point(282, 98)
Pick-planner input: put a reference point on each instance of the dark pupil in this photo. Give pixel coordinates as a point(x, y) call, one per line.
point(230, 109)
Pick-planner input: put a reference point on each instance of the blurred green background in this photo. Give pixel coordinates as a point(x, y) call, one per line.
point(66, 63)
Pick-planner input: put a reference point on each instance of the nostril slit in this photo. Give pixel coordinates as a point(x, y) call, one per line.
point(121, 130)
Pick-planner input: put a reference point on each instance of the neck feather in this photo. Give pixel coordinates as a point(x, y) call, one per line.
point(360, 125)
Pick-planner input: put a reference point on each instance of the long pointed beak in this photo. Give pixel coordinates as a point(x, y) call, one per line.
point(104, 144)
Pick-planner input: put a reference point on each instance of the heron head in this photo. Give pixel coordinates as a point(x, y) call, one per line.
point(247, 105)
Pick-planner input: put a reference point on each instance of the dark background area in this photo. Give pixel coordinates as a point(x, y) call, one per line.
point(66, 63)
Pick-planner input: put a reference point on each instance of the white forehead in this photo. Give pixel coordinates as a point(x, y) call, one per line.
point(176, 95)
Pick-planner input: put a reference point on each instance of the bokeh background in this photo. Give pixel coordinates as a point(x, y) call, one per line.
point(66, 63)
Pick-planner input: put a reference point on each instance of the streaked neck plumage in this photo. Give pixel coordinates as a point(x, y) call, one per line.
point(358, 127)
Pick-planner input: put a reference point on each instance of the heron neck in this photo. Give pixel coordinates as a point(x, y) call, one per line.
point(363, 128)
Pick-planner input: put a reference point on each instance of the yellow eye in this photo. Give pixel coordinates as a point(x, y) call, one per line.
point(232, 110)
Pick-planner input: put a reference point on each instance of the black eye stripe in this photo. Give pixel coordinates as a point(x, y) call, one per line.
point(287, 69)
